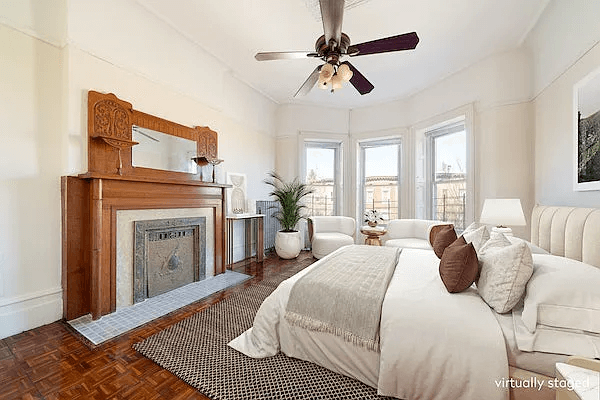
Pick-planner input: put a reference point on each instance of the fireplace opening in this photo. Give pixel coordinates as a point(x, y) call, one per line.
point(169, 253)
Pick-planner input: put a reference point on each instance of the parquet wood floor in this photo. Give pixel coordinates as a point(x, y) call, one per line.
point(56, 362)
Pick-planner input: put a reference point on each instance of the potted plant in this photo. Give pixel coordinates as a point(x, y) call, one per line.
point(288, 241)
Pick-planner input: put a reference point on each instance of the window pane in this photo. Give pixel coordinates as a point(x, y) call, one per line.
point(450, 178)
point(320, 174)
point(381, 179)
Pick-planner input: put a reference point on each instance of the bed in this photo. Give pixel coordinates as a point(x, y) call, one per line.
point(467, 361)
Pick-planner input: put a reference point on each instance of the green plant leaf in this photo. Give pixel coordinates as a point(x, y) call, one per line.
point(289, 195)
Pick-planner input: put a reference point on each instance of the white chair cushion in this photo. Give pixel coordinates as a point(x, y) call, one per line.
point(340, 224)
point(409, 243)
point(327, 242)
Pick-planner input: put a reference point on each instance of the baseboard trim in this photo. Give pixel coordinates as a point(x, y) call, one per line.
point(21, 313)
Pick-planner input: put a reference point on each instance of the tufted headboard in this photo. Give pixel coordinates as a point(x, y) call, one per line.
point(570, 232)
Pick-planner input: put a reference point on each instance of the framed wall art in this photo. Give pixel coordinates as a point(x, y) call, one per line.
point(586, 130)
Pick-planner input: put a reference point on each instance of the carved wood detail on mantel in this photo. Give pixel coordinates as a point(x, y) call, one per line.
point(90, 201)
point(110, 120)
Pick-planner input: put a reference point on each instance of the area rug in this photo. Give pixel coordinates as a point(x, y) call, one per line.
point(196, 351)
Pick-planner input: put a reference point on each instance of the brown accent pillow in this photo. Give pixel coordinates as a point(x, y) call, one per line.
point(444, 238)
point(433, 231)
point(459, 266)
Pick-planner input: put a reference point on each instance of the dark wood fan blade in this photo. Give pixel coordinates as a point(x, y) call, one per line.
point(406, 41)
point(309, 83)
point(284, 55)
point(358, 80)
point(332, 13)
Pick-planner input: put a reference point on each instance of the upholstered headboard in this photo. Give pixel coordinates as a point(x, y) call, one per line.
point(570, 232)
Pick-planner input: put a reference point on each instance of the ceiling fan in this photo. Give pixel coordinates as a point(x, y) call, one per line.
point(333, 46)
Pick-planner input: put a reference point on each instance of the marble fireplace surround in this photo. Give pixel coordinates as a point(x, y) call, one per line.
point(126, 238)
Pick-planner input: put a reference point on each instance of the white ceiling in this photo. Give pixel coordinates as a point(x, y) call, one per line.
point(453, 35)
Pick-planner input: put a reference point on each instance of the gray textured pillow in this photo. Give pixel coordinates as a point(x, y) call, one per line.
point(504, 274)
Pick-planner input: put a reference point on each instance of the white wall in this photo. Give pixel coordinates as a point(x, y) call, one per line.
point(292, 120)
point(111, 46)
point(565, 31)
point(31, 89)
point(499, 88)
point(150, 65)
point(565, 48)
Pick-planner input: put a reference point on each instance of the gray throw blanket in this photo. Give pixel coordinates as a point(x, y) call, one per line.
point(344, 294)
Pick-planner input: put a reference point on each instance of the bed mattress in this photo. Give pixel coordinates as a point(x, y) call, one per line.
point(541, 363)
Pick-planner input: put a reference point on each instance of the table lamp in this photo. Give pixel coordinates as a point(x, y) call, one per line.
point(502, 212)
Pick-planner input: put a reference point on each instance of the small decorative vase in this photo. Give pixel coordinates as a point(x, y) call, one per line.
point(372, 224)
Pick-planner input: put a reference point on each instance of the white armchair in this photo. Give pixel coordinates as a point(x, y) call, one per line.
point(411, 233)
point(328, 234)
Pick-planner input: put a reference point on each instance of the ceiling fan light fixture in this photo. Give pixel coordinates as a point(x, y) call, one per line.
point(327, 72)
point(323, 84)
point(345, 72)
point(337, 82)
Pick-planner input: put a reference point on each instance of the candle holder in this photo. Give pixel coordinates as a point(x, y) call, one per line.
point(204, 161)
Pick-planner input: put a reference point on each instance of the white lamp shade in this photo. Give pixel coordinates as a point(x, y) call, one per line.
point(502, 212)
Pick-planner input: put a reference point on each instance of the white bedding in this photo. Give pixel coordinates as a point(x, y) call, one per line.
point(434, 345)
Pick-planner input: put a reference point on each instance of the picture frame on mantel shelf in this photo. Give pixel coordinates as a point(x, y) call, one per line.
point(586, 133)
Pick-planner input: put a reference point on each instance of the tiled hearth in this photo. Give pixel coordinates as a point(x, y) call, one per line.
point(127, 318)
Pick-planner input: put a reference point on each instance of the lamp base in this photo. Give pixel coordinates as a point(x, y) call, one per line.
point(503, 230)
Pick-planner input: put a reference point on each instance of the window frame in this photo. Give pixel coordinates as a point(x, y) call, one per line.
point(337, 171)
point(432, 133)
point(370, 143)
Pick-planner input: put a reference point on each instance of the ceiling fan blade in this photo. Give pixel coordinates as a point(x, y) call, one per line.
point(309, 83)
point(406, 41)
point(358, 80)
point(332, 13)
point(284, 55)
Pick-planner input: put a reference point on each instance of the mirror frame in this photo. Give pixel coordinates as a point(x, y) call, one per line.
point(110, 120)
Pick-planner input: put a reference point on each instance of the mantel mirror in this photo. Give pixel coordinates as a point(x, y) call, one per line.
point(158, 150)
point(129, 143)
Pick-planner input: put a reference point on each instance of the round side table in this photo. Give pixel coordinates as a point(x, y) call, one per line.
point(373, 234)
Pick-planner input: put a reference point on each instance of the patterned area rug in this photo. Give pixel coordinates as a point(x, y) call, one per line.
point(196, 350)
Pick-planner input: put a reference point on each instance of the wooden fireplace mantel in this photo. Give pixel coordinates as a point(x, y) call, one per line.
point(90, 202)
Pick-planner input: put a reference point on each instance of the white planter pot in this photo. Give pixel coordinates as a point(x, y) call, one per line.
point(288, 244)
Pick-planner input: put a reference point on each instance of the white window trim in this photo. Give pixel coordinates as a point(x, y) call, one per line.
point(448, 128)
point(341, 169)
point(406, 167)
point(418, 130)
point(360, 192)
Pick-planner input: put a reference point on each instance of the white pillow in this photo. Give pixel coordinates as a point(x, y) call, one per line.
point(477, 236)
point(534, 249)
point(562, 293)
point(549, 339)
point(504, 275)
point(496, 240)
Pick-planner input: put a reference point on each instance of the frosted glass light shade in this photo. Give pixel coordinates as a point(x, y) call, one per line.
point(327, 72)
point(502, 212)
point(336, 82)
point(344, 72)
